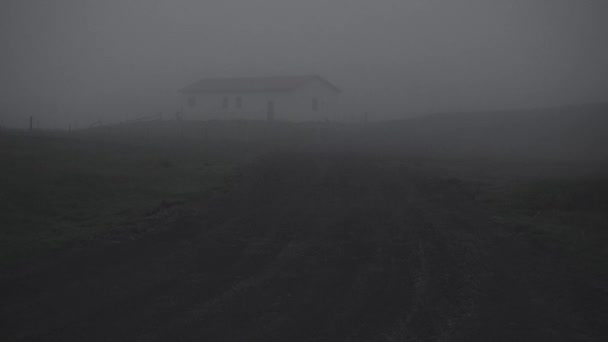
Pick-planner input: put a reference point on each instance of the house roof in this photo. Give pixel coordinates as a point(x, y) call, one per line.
point(254, 84)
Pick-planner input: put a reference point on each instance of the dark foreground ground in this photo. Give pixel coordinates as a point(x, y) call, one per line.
point(311, 246)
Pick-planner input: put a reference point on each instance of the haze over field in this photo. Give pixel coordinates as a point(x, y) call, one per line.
point(311, 170)
point(76, 62)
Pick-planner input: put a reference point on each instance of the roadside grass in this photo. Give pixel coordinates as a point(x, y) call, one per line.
point(65, 188)
point(55, 190)
point(568, 214)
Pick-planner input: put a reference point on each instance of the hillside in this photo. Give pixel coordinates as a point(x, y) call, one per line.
point(154, 237)
point(302, 246)
point(567, 133)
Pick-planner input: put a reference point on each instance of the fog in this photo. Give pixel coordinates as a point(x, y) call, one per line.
point(79, 61)
point(311, 170)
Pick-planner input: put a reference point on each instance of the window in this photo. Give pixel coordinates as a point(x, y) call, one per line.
point(315, 104)
point(238, 102)
point(225, 103)
point(191, 101)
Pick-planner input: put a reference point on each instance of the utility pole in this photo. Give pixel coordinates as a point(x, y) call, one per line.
point(31, 123)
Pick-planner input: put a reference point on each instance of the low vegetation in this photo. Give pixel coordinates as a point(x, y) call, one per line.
point(213, 239)
point(567, 215)
point(56, 190)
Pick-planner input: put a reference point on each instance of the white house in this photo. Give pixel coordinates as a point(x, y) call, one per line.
point(285, 98)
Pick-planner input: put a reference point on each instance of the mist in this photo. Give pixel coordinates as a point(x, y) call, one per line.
point(78, 62)
point(312, 170)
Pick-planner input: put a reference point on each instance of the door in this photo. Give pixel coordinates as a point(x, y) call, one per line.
point(270, 110)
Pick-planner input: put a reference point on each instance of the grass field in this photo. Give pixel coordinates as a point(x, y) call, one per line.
point(59, 189)
point(231, 241)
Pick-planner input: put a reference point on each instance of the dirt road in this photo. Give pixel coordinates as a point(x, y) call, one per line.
point(312, 247)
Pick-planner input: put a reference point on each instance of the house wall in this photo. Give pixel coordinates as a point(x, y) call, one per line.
point(289, 106)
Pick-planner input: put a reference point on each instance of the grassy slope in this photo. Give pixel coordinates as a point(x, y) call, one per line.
point(59, 189)
point(562, 133)
point(332, 246)
point(568, 215)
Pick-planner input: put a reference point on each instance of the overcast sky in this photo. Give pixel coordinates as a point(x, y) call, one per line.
point(80, 60)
